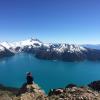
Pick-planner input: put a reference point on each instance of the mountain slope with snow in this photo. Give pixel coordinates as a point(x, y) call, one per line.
point(50, 51)
point(20, 45)
point(5, 52)
point(65, 52)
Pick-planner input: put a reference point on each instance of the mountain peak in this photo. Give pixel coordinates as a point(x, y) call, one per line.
point(2, 48)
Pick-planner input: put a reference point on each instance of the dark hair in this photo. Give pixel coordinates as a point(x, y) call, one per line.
point(29, 73)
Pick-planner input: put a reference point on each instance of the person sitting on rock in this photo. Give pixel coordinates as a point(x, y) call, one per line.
point(30, 85)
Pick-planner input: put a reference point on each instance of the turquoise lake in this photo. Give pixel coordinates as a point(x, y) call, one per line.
point(48, 74)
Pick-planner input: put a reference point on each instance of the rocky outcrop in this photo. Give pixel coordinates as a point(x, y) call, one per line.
point(74, 93)
point(35, 93)
point(8, 93)
point(95, 85)
point(70, 92)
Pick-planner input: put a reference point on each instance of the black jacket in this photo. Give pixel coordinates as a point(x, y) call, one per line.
point(29, 80)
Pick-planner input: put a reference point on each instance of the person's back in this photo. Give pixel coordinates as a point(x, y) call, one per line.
point(30, 85)
point(29, 78)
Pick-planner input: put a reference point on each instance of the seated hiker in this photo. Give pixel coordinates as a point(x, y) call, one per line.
point(30, 85)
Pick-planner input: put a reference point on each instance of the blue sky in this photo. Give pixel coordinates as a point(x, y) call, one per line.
point(70, 21)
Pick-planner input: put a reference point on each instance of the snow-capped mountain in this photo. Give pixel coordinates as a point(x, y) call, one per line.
point(59, 51)
point(5, 52)
point(66, 52)
point(9, 49)
point(1, 48)
point(20, 45)
point(35, 43)
point(67, 47)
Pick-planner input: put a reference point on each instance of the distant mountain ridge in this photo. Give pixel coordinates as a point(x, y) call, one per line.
point(92, 46)
point(51, 51)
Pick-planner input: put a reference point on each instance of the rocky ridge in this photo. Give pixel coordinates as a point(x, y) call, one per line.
point(75, 93)
point(8, 93)
point(70, 92)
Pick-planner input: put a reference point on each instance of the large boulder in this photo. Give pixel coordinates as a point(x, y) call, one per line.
point(95, 85)
point(71, 85)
